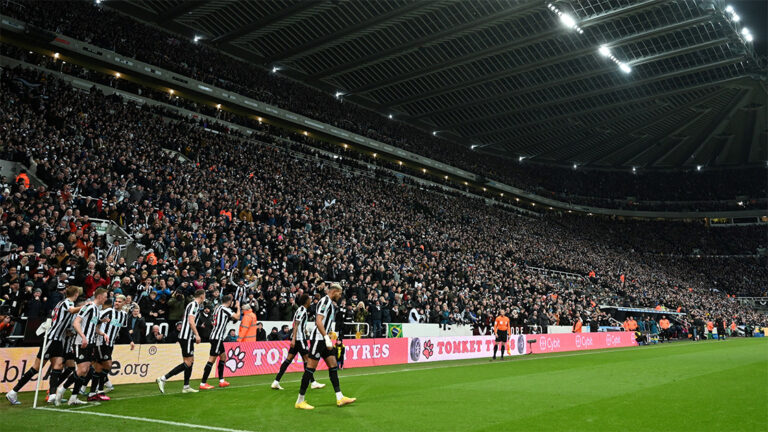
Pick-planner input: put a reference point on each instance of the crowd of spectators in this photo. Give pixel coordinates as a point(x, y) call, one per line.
point(96, 24)
point(255, 214)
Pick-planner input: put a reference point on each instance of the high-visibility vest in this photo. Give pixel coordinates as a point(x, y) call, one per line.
point(577, 327)
point(228, 214)
point(248, 328)
point(24, 178)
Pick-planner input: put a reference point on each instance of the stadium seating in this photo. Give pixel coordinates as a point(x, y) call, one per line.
point(716, 189)
point(234, 209)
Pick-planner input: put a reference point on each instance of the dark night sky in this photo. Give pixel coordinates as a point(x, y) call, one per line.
point(754, 15)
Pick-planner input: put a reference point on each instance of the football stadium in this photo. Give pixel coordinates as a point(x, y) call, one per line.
point(389, 215)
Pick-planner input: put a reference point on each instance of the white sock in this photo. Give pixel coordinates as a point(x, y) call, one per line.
point(162, 378)
point(275, 382)
point(12, 393)
point(108, 383)
point(339, 395)
point(221, 380)
point(186, 386)
point(300, 399)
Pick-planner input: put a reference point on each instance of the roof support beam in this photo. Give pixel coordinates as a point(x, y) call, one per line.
point(650, 34)
point(313, 46)
point(264, 21)
point(566, 128)
point(498, 49)
point(580, 96)
point(414, 45)
point(178, 10)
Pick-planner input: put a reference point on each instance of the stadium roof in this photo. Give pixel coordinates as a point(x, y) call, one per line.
point(614, 83)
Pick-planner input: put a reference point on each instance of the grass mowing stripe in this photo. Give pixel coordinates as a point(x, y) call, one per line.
point(415, 367)
point(146, 420)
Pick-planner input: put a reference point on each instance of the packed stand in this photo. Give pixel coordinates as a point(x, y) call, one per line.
point(105, 28)
point(255, 215)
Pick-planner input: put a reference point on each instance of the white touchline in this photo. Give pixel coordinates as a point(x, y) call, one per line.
point(482, 361)
point(146, 420)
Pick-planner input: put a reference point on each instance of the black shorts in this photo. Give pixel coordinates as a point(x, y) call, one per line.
point(217, 348)
point(69, 350)
point(187, 347)
point(501, 336)
point(85, 355)
point(318, 350)
point(300, 347)
point(54, 349)
point(104, 352)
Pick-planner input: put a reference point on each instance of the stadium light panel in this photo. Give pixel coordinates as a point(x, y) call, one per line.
point(117, 74)
point(196, 39)
point(735, 18)
point(520, 159)
point(434, 133)
point(575, 166)
point(749, 38)
point(568, 20)
point(56, 55)
point(729, 9)
point(339, 94)
point(218, 106)
point(745, 31)
point(634, 169)
point(473, 146)
point(604, 51)
point(390, 116)
point(275, 69)
point(375, 154)
point(698, 167)
point(625, 68)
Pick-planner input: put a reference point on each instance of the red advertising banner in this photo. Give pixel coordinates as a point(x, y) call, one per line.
point(260, 358)
point(549, 343)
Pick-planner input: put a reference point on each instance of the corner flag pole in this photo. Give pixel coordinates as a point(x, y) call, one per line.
point(40, 373)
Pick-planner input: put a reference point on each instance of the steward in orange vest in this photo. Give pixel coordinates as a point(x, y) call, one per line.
point(248, 330)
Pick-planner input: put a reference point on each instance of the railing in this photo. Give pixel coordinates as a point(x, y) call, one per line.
point(357, 326)
point(556, 272)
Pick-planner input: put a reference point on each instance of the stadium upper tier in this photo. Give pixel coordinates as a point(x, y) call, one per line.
point(240, 204)
point(599, 188)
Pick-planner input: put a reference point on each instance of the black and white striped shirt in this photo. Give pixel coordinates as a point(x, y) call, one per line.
point(186, 326)
point(300, 322)
point(327, 309)
point(90, 315)
point(241, 294)
point(117, 320)
point(221, 317)
point(61, 320)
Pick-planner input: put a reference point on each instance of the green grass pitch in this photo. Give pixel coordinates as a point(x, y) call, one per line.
point(704, 386)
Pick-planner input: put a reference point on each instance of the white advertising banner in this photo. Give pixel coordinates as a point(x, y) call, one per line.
point(429, 349)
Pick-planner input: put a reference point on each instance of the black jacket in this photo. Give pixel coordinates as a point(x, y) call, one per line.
point(139, 327)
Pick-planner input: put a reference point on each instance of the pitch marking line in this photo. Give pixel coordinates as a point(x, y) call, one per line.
point(146, 420)
point(214, 428)
point(415, 369)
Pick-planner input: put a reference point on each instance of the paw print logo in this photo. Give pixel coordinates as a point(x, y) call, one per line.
point(428, 349)
point(235, 359)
